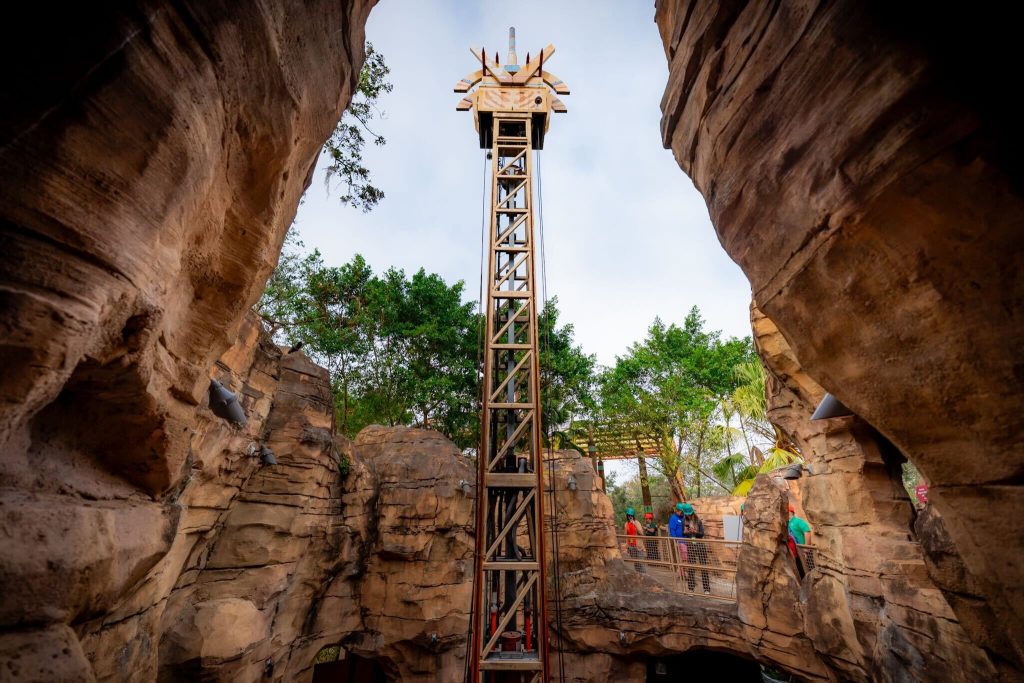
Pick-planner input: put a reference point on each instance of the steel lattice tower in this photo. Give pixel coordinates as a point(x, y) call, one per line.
point(512, 106)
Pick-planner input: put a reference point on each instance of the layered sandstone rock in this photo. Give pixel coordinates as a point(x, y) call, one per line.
point(615, 619)
point(412, 585)
point(860, 165)
point(366, 546)
point(872, 610)
point(152, 162)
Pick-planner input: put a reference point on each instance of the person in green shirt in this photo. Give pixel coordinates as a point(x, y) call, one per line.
point(799, 528)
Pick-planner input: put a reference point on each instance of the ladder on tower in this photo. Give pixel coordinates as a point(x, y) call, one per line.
point(509, 620)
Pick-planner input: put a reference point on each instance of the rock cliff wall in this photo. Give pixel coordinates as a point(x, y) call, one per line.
point(860, 165)
point(153, 156)
point(259, 567)
point(872, 610)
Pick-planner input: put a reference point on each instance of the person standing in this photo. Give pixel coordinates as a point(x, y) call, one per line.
point(651, 532)
point(800, 534)
point(675, 532)
point(697, 551)
point(799, 528)
point(632, 531)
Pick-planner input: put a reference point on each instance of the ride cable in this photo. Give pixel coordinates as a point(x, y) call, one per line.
point(555, 550)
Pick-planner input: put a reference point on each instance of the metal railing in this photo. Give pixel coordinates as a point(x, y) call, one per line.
point(806, 555)
point(702, 566)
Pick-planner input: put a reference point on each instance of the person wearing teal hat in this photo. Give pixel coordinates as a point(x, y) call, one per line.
point(632, 530)
point(697, 551)
point(686, 524)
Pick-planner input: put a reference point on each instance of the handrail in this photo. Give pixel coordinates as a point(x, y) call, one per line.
point(704, 566)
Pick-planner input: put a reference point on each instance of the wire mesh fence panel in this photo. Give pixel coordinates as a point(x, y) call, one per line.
point(685, 565)
point(806, 553)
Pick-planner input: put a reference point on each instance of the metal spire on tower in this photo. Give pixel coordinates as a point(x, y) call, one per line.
point(512, 62)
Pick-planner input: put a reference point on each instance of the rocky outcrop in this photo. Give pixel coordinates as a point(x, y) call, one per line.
point(253, 543)
point(860, 166)
point(366, 546)
point(614, 619)
point(152, 164)
point(412, 583)
point(872, 610)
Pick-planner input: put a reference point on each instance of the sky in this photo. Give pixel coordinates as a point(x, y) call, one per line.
point(628, 237)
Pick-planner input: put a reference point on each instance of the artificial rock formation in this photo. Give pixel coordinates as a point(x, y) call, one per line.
point(615, 620)
point(860, 165)
point(365, 545)
point(152, 164)
point(872, 611)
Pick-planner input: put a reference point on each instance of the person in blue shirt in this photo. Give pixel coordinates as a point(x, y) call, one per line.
point(675, 522)
point(685, 524)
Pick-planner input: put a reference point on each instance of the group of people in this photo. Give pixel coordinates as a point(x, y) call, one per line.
point(685, 526)
point(683, 523)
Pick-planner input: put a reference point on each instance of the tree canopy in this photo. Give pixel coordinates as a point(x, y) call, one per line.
point(400, 349)
point(669, 388)
point(404, 350)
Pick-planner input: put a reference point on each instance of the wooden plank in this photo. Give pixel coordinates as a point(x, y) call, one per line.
point(516, 263)
point(511, 565)
point(491, 66)
point(504, 328)
point(469, 81)
point(527, 72)
point(509, 375)
point(513, 226)
point(510, 480)
point(510, 524)
point(511, 440)
point(511, 194)
point(556, 83)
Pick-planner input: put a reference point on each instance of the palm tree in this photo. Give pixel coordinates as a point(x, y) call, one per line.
point(750, 400)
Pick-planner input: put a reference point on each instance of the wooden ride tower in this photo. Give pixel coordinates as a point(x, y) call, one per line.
point(512, 105)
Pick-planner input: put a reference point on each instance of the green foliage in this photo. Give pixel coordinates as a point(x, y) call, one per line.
point(670, 388)
point(346, 144)
point(400, 350)
point(328, 654)
point(751, 403)
point(343, 465)
point(403, 350)
point(911, 478)
point(628, 494)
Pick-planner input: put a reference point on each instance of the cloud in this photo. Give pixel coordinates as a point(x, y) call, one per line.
point(627, 236)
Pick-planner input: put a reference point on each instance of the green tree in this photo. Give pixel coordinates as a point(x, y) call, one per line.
point(404, 350)
point(767, 446)
point(669, 388)
point(345, 146)
point(400, 350)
